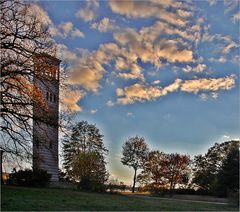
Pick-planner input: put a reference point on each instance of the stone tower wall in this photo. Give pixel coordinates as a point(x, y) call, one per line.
point(45, 124)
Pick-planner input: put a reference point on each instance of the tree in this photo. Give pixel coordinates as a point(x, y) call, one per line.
point(176, 169)
point(163, 170)
point(23, 35)
point(84, 153)
point(228, 176)
point(152, 174)
point(134, 152)
point(207, 167)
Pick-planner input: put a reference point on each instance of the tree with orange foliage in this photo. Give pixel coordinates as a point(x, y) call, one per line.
point(163, 170)
point(23, 35)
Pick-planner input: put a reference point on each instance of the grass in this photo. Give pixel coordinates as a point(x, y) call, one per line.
point(46, 199)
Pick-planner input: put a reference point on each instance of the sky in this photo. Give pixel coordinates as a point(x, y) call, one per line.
point(164, 70)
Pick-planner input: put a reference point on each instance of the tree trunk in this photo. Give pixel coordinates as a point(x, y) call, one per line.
point(134, 180)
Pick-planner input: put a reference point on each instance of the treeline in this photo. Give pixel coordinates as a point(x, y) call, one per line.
point(84, 163)
point(215, 173)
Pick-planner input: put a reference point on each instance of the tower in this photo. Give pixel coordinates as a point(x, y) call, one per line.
point(45, 114)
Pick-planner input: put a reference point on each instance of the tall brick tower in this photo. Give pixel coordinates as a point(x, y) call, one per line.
point(45, 124)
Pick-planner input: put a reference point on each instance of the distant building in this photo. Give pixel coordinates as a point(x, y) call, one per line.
point(45, 113)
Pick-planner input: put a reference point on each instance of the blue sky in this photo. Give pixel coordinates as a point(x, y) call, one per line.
point(165, 70)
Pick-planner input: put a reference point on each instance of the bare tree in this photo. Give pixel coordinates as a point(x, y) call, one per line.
point(134, 152)
point(23, 36)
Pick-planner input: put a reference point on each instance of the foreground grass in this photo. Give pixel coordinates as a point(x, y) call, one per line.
point(43, 199)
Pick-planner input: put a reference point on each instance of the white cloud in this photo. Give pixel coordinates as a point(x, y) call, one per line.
point(89, 12)
point(155, 82)
point(93, 111)
point(110, 103)
point(199, 68)
point(236, 17)
point(212, 2)
point(129, 114)
point(219, 60)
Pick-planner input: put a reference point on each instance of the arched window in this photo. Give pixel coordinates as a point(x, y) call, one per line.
point(54, 98)
point(47, 95)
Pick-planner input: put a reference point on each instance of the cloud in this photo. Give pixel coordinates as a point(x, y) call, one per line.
point(236, 17)
point(208, 84)
point(212, 2)
point(104, 25)
point(65, 29)
point(70, 99)
point(110, 103)
point(129, 114)
point(141, 93)
point(199, 68)
point(149, 47)
point(155, 82)
point(65, 54)
point(89, 12)
point(219, 60)
point(40, 14)
point(146, 9)
point(93, 111)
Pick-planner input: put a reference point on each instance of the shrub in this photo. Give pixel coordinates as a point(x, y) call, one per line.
point(86, 184)
point(27, 177)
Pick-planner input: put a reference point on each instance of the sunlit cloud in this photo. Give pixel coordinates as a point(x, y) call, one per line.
point(70, 99)
point(142, 93)
point(146, 9)
point(65, 29)
point(104, 25)
point(89, 12)
point(208, 84)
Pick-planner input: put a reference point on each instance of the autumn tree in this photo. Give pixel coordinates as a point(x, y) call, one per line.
point(23, 35)
point(176, 169)
point(163, 170)
point(84, 153)
point(134, 152)
point(151, 176)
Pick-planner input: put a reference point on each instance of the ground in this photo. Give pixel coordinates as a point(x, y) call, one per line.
point(39, 199)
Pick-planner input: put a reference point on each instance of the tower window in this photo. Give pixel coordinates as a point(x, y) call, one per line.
point(54, 98)
point(37, 143)
point(47, 96)
point(50, 97)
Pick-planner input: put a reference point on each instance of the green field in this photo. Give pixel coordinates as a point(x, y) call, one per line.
point(43, 199)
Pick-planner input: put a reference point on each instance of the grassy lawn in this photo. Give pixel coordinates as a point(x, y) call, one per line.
point(44, 199)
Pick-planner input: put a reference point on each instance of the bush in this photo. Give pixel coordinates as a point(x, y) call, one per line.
point(87, 184)
point(27, 177)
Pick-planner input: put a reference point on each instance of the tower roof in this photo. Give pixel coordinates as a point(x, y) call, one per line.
point(42, 55)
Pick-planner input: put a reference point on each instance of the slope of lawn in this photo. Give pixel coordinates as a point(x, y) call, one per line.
point(46, 199)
